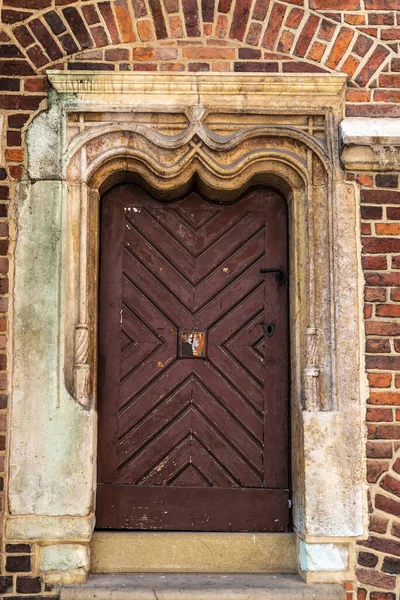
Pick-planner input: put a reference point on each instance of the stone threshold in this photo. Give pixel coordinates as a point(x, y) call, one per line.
point(174, 586)
point(192, 552)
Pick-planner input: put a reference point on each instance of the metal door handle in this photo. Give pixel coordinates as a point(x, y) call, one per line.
point(280, 277)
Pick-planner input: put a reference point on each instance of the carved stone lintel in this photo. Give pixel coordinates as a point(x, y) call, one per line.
point(81, 366)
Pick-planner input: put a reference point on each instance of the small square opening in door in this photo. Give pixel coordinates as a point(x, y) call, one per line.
point(192, 344)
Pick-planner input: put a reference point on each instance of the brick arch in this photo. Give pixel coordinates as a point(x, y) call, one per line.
point(267, 36)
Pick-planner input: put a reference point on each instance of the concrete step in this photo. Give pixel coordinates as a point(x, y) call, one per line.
point(174, 586)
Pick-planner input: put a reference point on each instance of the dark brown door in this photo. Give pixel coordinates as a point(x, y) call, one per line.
point(193, 364)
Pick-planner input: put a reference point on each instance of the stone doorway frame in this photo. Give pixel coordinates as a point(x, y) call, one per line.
point(277, 130)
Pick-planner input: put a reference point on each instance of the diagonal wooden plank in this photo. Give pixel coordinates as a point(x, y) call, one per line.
point(233, 238)
point(225, 454)
point(241, 343)
point(145, 400)
point(171, 464)
point(190, 476)
point(209, 465)
point(143, 432)
point(227, 426)
point(226, 300)
point(142, 341)
point(249, 412)
point(167, 263)
point(162, 299)
point(149, 457)
point(229, 270)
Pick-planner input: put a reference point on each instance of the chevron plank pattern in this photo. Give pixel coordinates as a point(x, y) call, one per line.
point(197, 422)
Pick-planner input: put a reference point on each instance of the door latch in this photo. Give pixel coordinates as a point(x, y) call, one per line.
point(280, 277)
point(269, 329)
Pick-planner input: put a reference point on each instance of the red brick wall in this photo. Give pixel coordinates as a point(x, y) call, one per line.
point(357, 37)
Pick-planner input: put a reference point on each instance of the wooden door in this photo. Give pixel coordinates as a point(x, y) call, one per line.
point(193, 364)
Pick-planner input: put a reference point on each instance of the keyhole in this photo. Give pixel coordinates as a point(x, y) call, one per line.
point(269, 329)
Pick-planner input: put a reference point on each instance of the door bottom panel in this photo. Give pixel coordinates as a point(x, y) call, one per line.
point(192, 509)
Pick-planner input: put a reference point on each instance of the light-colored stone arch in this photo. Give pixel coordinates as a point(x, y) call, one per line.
point(231, 133)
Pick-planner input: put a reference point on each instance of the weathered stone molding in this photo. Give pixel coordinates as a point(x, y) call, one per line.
point(370, 144)
point(244, 135)
point(90, 83)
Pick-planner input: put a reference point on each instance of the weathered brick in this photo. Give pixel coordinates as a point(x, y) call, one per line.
point(260, 9)
point(9, 85)
point(85, 66)
point(378, 415)
point(301, 67)
point(395, 529)
point(274, 24)
point(28, 585)
point(139, 8)
point(374, 263)
point(362, 45)
point(380, 380)
point(380, 246)
point(198, 66)
point(32, 4)
point(18, 548)
point(390, 484)
point(378, 346)
point(240, 19)
point(124, 21)
point(159, 23)
point(387, 228)
point(373, 63)
point(376, 579)
point(108, 16)
point(91, 15)
point(13, 138)
point(208, 53)
point(79, 28)
point(366, 559)
point(294, 18)
point(391, 80)
point(45, 38)
point(306, 35)
point(99, 36)
point(378, 524)
point(208, 10)
point(15, 68)
point(375, 469)
point(55, 22)
point(117, 54)
point(9, 17)
point(382, 4)
point(6, 584)
point(335, 4)
point(387, 310)
point(254, 33)
point(18, 564)
point(382, 596)
point(340, 47)
point(384, 398)
point(248, 67)
point(224, 6)
point(375, 294)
